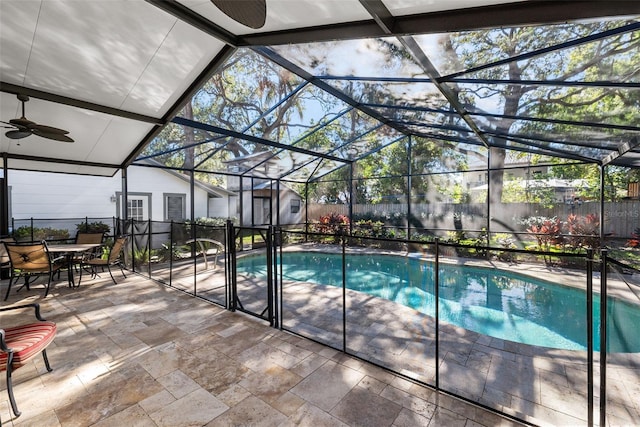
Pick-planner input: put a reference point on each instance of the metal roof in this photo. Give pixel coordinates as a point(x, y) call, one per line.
point(366, 74)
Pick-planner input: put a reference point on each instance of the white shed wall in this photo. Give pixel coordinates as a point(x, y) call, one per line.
point(56, 196)
point(219, 207)
point(286, 217)
point(158, 182)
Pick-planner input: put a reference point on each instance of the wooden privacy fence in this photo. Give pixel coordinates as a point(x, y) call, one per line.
point(621, 219)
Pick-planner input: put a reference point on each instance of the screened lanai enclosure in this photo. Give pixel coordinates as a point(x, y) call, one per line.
point(449, 191)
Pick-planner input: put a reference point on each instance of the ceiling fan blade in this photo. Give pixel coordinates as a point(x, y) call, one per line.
point(55, 136)
point(17, 134)
point(252, 13)
point(25, 127)
point(21, 123)
point(47, 129)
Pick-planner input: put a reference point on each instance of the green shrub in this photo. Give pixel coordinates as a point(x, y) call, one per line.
point(25, 234)
point(205, 228)
point(212, 222)
point(368, 228)
point(141, 256)
point(422, 237)
point(93, 227)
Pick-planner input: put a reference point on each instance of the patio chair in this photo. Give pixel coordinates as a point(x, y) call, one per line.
point(28, 261)
point(19, 344)
point(114, 258)
point(5, 263)
point(82, 238)
point(88, 238)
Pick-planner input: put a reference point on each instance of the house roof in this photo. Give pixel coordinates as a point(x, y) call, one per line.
point(211, 189)
point(262, 155)
point(269, 185)
point(116, 73)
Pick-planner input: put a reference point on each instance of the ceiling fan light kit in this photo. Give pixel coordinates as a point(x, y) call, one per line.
point(24, 127)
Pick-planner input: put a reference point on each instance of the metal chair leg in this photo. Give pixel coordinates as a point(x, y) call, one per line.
point(46, 360)
point(12, 399)
point(122, 270)
point(46, 292)
point(8, 288)
point(80, 278)
point(111, 274)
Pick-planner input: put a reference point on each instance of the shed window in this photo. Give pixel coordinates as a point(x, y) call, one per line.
point(174, 207)
point(295, 205)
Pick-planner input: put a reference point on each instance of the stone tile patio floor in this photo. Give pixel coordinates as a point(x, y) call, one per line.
point(141, 354)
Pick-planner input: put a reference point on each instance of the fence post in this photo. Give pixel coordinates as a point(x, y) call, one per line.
point(590, 337)
point(149, 249)
point(231, 262)
point(194, 236)
point(277, 276)
point(170, 252)
point(270, 239)
point(603, 337)
point(133, 244)
point(436, 286)
point(344, 294)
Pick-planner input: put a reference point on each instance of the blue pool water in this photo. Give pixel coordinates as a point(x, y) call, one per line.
point(497, 303)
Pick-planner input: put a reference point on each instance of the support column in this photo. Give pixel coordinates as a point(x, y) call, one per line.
point(488, 196)
point(125, 194)
point(4, 197)
point(192, 186)
point(351, 197)
point(125, 215)
point(4, 207)
point(277, 203)
point(409, 181)
point(603, 170)
point(241, 211)
point(306, 209)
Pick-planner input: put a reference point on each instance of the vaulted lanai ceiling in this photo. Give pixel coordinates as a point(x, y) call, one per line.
point(114, 73)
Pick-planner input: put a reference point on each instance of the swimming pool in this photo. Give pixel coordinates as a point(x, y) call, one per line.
point(498, 303)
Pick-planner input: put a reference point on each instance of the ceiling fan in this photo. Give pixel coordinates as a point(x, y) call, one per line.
point(252, 13)
point(23, 127)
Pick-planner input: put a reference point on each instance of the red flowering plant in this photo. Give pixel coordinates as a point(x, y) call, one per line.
point(547, 232)
point(334, 224)
point(634, 242)
point(583, 231)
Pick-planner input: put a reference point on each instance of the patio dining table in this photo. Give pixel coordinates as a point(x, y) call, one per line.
point(69, 251)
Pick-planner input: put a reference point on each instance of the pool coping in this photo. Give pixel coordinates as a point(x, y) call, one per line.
point(572, 277)
point(575, 279)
